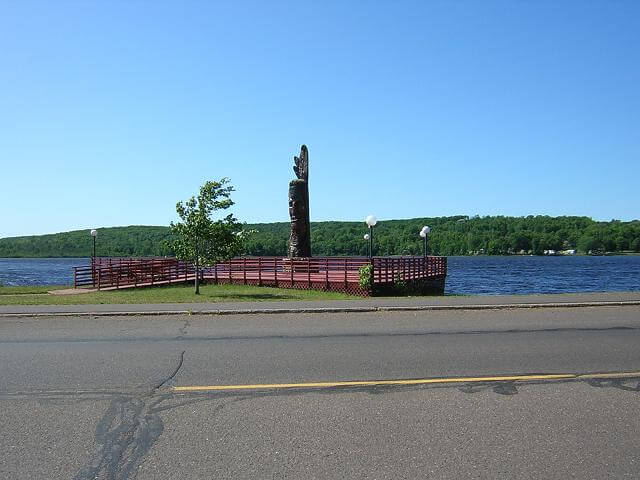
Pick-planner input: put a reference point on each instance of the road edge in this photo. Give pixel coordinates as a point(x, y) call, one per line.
point(381, 308)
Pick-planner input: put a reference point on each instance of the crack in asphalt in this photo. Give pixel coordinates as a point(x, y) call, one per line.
point(183, 330)
point(126, 433)
point(175, 372)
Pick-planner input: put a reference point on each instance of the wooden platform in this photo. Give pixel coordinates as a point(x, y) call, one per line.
point(340, 274)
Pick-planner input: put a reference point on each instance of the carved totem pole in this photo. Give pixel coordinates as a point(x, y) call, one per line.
point(300, 238)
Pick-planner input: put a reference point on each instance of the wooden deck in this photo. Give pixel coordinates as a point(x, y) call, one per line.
point(340, 274)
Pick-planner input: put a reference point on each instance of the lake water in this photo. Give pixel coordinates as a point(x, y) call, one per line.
point(467, 275)
point(523, 275)
point(39, 271)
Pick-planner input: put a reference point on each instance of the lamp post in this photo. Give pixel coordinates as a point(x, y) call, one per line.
point(371, 221)
point(94, 234)
point(424, 233)
point(367, 237)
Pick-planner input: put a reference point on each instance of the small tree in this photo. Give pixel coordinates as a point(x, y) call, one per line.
point(201, 239)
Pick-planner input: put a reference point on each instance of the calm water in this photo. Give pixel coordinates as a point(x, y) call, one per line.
point(505, 275)
point(38, 271)
point(467, 275)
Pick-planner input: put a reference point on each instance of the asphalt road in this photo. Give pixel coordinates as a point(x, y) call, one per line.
point(87, 398)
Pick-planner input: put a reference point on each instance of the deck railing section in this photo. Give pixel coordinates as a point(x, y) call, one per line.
point(127, 272)
point(323, 273)
point(320, 273)
point(406, 269)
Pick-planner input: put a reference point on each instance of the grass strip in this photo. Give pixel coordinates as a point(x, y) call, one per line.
point(26, 290)
point(165, 294)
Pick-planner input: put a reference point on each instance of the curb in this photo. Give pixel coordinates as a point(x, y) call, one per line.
point(271, 311)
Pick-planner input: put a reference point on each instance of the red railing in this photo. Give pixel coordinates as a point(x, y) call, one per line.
point(131, 272)
point(319, 273)
point(406, 269)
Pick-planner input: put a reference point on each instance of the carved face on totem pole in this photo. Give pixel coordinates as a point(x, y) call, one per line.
point(300, 239)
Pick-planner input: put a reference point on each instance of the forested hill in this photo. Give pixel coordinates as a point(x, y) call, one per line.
point(457, 235)
point(133, 241)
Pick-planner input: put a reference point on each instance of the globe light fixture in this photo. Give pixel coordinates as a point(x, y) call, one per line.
point(371, 221)
point(94, 234)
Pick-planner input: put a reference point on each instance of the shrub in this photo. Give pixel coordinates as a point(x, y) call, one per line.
point(366, 277)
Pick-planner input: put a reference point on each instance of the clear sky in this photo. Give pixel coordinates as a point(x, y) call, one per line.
point(110, 112)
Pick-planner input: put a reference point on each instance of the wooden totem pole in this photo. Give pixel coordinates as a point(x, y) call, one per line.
point(300, 238)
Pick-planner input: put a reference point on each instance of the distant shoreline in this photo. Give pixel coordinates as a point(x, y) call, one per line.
point(450, 236)
point(607, 254)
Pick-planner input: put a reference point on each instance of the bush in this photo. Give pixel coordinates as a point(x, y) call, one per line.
point(366, 277)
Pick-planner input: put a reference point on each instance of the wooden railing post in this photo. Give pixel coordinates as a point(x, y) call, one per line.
point(244, 269)
point(291, 270)
point(260, 271)
point(326, 272)
point(275, 270)
point(345, 272)
point(308, 272)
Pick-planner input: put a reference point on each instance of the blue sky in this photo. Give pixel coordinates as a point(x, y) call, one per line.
point(110, 112)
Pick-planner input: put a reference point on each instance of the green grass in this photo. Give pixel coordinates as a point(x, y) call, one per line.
point(29, 290)
point(167, 294)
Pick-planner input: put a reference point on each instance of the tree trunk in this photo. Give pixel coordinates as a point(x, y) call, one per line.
point(197, 269)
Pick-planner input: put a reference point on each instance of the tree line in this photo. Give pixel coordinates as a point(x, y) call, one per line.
point(456, 235)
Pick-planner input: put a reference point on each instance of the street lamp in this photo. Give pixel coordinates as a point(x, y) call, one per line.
point(424, 233)
point(371, 221)
point(367, 237)
point(94, 234)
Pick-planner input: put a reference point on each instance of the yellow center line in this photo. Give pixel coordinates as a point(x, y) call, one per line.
point(419, 381)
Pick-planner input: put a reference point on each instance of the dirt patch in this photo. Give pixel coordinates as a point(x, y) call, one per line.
point(72, 291)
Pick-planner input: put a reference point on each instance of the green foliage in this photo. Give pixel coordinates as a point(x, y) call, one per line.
point(457, 235)
point(198, 236)
point(366, 277)
point(133, 241)
point(399, 284)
